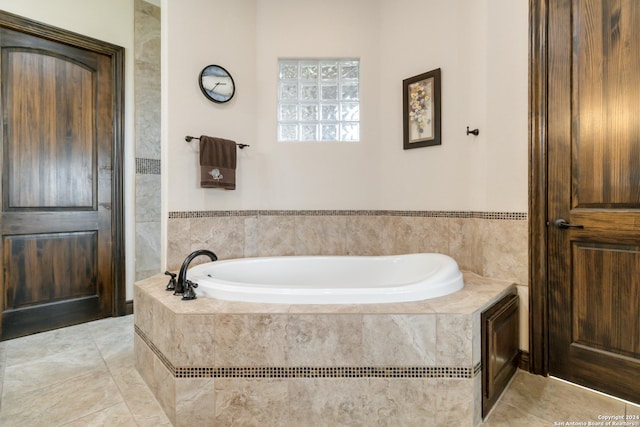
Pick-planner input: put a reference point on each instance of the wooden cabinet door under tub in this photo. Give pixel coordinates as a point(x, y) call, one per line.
point(499, 349)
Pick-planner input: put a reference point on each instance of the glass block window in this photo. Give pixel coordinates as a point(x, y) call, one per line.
point(319, 100)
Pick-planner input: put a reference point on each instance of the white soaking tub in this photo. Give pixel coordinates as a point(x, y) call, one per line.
point(329, 279)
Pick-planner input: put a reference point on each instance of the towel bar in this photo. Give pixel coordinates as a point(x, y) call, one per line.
point(191, 138)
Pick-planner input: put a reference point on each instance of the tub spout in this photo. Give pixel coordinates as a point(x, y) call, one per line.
point(182, 276)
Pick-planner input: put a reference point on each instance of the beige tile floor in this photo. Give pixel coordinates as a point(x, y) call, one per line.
point(84, 376)
point(532, 400)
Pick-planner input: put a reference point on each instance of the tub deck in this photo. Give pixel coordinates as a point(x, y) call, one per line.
point(211, 362)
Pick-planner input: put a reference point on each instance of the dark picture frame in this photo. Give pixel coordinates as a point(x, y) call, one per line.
point(421, 110)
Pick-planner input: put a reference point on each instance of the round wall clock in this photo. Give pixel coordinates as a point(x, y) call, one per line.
point(217, 84)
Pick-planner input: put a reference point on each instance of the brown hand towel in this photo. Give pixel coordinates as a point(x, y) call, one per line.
point(217, 163)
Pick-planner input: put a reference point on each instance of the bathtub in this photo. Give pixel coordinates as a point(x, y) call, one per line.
point(329, 279)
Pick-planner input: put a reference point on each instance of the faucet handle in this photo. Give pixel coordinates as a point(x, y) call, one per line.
point(172, 281)
point(189, 293)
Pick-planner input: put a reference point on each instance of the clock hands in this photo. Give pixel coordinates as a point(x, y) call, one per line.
point(216, 85)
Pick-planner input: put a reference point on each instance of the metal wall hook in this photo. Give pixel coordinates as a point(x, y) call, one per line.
point(472, 132)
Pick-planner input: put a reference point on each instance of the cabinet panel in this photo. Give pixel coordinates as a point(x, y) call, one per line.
point(499, 349)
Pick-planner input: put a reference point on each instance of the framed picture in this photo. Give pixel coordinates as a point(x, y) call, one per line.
point(421, 112)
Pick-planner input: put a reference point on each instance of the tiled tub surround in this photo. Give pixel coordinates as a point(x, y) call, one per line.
point(213, 362)
point(491, 244)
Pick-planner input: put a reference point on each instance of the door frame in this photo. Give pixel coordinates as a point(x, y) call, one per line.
point(538, 144)
point(116, 53)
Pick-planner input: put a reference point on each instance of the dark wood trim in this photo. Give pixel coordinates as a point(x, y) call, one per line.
point(523, 360)
point(119, 273)
point(60, 35)
point(28, 26)
point(538, 288)
point(58, 315)
point(129, 307)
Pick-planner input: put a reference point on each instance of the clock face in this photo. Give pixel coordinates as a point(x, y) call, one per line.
point(217, 84)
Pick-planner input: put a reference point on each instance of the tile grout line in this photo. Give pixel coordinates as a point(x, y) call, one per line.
point(91, 413)
point(135, 417)
point(40, 359)
point(120, 392)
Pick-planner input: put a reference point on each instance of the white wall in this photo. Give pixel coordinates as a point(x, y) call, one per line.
point(507, 105)
point(198, 33)
point(270, 175)
point(111, 22)
point(419, 36)
point(480, 45)
point(317, 175)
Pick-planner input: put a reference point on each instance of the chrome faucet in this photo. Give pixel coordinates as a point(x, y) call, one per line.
point(182, 276)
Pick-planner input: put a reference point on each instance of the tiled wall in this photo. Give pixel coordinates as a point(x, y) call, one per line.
point(147, 125)
point(486, 243)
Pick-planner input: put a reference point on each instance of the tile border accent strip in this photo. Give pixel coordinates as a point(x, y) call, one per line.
point(147, 166)
point(326, 372)
point(517, 216)
point(311, 371)
point(166, 362)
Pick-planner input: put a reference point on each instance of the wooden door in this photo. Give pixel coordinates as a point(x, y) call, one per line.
point(57, 240)
point(594, 194)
